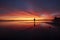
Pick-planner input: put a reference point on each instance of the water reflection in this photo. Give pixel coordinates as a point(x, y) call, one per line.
point(22, 25)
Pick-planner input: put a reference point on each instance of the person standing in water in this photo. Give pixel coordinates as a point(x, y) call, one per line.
point(34, 22)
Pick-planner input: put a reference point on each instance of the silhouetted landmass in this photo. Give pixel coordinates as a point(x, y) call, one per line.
point(55, 22)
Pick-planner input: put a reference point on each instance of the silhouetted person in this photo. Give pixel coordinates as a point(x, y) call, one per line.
point(34, 22)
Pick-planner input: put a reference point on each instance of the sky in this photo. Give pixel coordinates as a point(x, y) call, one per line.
point(37, 7)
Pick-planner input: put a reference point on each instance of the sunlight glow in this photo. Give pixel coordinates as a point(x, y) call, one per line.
point(21, 15)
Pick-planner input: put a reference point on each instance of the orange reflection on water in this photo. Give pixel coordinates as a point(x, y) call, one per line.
point(20, 25)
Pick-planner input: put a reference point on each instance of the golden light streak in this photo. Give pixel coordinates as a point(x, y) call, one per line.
point(21, 15)
point(24, 18)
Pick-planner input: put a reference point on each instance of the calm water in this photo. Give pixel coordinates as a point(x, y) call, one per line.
point(22, 25)
point(27, 29)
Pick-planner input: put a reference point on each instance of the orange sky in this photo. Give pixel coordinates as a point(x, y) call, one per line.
point(22, 15)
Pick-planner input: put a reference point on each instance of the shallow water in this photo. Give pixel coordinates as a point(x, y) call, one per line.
point(22, 25)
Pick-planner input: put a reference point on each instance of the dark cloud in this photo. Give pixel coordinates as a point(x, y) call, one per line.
point(36, 5)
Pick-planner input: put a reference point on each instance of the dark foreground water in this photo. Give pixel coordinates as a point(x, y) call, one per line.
point(28, 30)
